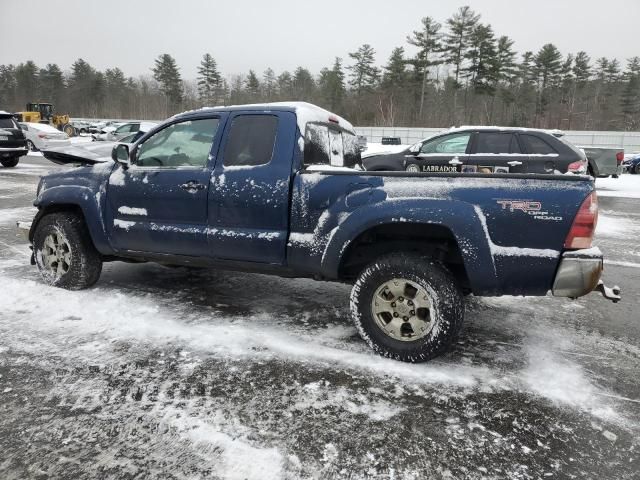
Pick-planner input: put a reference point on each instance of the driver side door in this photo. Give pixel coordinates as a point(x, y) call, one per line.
point(159, 203)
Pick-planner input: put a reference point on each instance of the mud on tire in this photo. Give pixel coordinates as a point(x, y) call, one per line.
point(441, 322)
point(64, 252)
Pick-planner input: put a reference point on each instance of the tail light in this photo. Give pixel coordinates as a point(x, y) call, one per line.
point(42, 135)
point(577, 167)
point(584, 225)
point(620, 157)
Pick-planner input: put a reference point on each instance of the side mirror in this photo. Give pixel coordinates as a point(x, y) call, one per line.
point(120, 154)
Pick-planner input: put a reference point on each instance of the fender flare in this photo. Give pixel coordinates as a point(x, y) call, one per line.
point(90, 204)
point(458, 217)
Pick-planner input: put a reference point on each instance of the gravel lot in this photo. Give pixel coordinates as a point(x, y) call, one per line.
point(171, 373)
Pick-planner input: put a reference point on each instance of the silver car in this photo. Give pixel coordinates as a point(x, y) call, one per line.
point(41, 136)
point(125, 130)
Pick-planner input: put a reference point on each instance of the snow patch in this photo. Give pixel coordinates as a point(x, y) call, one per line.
point(142, 212)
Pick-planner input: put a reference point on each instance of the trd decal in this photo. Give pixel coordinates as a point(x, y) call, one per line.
point(529, 207)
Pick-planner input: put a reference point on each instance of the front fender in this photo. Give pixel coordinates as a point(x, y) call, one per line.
point(89, 202)
point(458, 217)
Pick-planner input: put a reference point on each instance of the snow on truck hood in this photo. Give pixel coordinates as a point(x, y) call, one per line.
point(305, 113)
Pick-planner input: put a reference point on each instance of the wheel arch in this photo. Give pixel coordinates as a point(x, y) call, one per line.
point(88, 211)
point(432, 239)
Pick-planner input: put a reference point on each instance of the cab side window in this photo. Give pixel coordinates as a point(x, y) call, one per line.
point(184, 144)
point(536, 145)
point(449, 144)
point(251, 141)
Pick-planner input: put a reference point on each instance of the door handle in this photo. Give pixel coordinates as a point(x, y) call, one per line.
point(514, 163)
point(455, 161)
point(192, 186)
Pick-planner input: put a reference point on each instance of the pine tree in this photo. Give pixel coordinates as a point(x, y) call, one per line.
point(331, 84)
point(166, 73)
point(505, 65)
point(8, 87)
point(209, 80)
point(51, 84)
point(548, 65)
point(252, 85)
point(582, 68)
point(364, 74)
point(395, 71)
point(303, 85)
point(483, 61)
point(269, 84)
point(630, 97)
point(428, 42)
point(285, 86)
point(457, 39)
point(27, 82)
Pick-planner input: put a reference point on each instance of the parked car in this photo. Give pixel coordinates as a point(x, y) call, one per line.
point(632, 164)
point(604, 162)
point(12, 142)
point(41, 136)
point(486, 150)
point(117, 132)
point(276, 188)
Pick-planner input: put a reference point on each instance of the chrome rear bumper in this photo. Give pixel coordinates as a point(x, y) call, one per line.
point(579, 274)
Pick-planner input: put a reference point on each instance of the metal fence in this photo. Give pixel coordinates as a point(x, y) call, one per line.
point(629, 141)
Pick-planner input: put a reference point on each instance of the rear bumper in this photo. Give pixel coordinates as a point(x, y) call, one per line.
point(578, 273)
point(12, 151)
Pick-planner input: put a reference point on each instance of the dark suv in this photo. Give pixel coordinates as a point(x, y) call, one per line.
point(486, 150)
point(13, 144)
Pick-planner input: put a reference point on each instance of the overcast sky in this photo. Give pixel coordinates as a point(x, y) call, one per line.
point(282, 34)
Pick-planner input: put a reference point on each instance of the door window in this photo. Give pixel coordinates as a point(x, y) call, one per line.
point(536, 145)
point(184, 144)
point(497, 143)
point(251, 140)
point(449, 144)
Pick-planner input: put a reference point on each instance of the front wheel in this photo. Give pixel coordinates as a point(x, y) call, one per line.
point(637, 168)
point(31, 146)
point(64, 252)
point(413, 168)
point(10, 162)
point(69, 130)
point(407, 307)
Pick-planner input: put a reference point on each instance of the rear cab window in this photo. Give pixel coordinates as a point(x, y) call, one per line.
point(329, 145)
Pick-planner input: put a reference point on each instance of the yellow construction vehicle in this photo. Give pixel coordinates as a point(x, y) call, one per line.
point(44, 113)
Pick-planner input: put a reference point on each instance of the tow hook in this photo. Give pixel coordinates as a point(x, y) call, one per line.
point(612, 293)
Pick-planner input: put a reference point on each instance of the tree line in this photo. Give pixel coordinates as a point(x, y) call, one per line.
point(451, 73)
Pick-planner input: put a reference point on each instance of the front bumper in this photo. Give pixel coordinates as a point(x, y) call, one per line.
point(579, 274)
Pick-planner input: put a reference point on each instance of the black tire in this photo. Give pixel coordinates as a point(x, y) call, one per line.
point(637, 168)
point(412, 167)
point(10, 162)
point(615, 176)
point(445, 296)
point(31, 146)
point(84, 265)
point(69, 130)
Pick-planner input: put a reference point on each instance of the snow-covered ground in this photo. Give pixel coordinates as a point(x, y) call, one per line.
point(627, 185)
point(177, 373)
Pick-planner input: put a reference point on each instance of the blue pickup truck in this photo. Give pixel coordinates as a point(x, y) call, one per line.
point(277, 188)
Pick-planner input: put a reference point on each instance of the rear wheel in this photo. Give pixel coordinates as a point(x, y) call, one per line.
point(64, 252)
point(10, 162)
point(407, 307)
